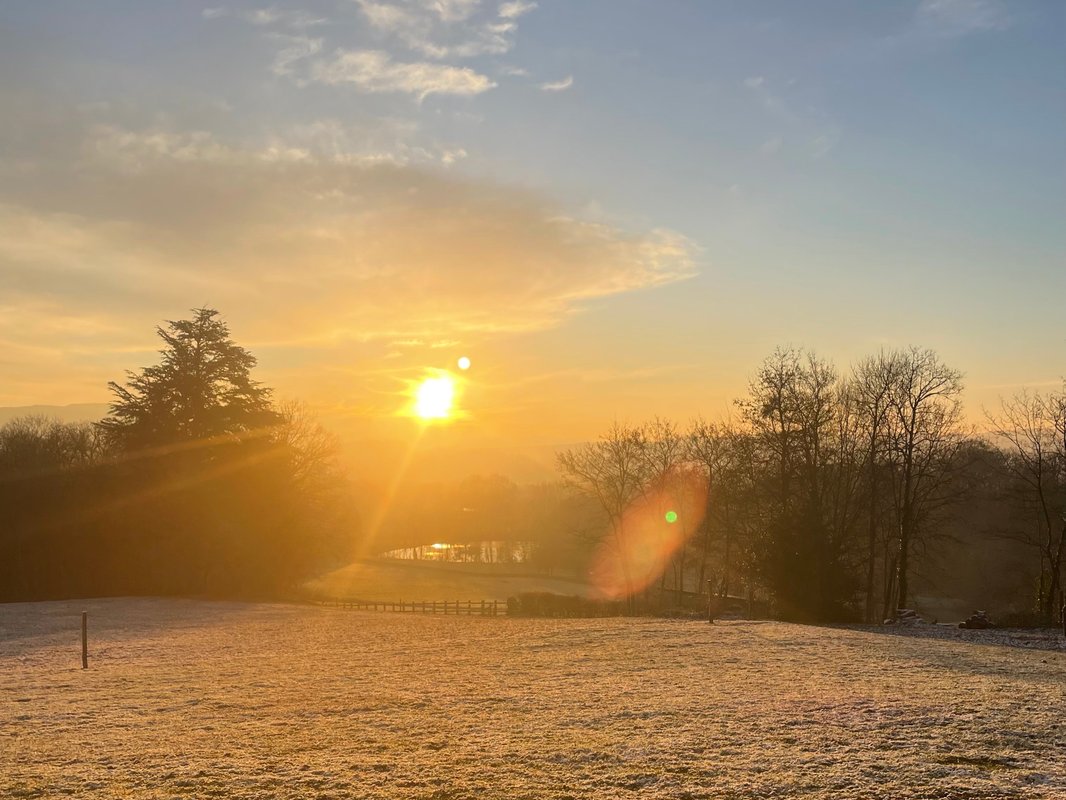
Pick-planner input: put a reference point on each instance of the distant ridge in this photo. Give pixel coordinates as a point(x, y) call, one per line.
point(76, 412)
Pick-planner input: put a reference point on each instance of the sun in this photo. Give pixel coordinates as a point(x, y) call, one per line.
point(434, 396)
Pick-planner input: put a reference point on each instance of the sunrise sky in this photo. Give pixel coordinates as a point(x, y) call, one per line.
point(614, 208)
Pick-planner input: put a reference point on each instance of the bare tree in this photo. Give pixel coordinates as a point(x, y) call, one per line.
point(1033, 429)
point(724, 453)
point(872, 384)
point(664, 456)
point(797, 419)
point(772, 412)
point(312, 449)
point(844, 474)
point(39, 445)
point(613, 470)
point(924, 417)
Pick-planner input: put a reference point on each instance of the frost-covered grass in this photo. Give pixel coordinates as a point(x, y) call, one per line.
point(1033, 638)
point(195, 699)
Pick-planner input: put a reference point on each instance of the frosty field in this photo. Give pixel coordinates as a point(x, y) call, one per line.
point(196, 699)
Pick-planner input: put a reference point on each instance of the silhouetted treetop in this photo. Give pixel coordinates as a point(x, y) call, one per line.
point(202, 388)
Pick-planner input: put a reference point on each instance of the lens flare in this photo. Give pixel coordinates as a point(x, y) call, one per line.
point(464, 363)
point(638, 547)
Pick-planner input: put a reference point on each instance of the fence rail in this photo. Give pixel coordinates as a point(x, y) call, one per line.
point(483, 608)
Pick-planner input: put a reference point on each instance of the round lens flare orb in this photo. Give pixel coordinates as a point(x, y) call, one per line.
point(464, 363)
point(671, 517)
point(434, 397)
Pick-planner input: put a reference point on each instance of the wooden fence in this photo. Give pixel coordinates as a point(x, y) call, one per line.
point(483, 608)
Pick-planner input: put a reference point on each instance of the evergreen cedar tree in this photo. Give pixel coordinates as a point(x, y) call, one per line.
point(201, 389)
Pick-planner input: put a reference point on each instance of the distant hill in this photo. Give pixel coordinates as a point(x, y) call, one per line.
point(77, 412)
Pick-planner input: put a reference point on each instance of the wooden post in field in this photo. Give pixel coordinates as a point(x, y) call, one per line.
point(84, 639)
point(710, 602)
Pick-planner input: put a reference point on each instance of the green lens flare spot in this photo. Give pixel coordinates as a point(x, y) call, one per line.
point(671, 517)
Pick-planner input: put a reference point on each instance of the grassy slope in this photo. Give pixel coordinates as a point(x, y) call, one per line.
point(244, 701)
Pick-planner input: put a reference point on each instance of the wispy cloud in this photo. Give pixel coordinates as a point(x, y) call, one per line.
point(440, 30)
point(266, 16)
point(451, 10)
point(323, 141)
point(444, 29)
point(515, 9)
point(389, 16)
point(289, 238)
point(293, 49)
point(808, 130)
point(376, 71)
point(558, 86)
point(951, 18)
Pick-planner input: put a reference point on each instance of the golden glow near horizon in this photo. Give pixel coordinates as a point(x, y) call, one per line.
point(434, 397)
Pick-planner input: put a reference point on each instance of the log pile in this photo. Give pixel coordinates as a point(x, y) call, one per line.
point(978, 621)
point(905, 616)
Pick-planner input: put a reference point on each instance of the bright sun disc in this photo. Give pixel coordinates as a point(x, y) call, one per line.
point(433, 400)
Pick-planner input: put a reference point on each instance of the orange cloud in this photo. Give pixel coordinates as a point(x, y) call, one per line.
point(304, 249)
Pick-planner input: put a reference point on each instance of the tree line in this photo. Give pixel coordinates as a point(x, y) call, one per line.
point(195, 483)
point(830, 493)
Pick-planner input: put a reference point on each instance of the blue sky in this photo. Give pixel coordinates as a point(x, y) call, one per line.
point(616, 208)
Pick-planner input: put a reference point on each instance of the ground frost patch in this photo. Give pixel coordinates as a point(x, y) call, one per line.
point(200, 699)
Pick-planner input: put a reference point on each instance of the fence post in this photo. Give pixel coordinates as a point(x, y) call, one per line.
point(84, 639)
